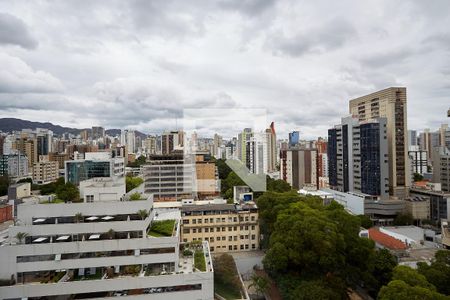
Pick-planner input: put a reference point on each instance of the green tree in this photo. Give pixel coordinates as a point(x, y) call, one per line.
point(318, 289)
point(278, 185)
point(138, 162)
point(4, 184)
point(20, 236)
point(142, 213)
point(78, 217)
point(411, 277)
point(135, 196)
point(223, 169)
point(417, 177)
point(259, 283)
point(227, 185)
point(403, 219)
point(400, 290)
point(366, 222)
point(68, 192)
point(438, 272)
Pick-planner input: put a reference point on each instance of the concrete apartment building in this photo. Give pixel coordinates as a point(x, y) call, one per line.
point(419, 160)
point(391, 104)
point(358, 157)
point(441, 167)
point(418, 207)
point(45, 172)
point(299, 167)
point(169, 177)
point(14, 165)
point(227, 227)
point(58, 157)
point(99, 249)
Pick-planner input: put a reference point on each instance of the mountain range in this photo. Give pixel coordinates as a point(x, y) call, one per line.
point(13, 124)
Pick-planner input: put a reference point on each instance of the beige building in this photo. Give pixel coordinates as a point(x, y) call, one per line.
point(227, 227)
point(418, 207)
point(389, 103)
point(27, 147)
point(45, 172)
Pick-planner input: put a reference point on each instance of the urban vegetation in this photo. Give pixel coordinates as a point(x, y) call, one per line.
point(199, 260)
point(408, 283)
point(162, 228)
point(226, 279)
point(315, 252)
point(132, 182)
point(138, 162)
point(4, 184)
point(135, 197)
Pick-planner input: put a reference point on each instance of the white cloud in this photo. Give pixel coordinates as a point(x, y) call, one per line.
point(139, 64)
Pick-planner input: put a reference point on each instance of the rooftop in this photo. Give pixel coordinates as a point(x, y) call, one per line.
point(386, 240)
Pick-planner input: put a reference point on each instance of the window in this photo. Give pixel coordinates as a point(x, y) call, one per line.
point(194, 221)
point(194, 230)
point(224, 228)
point(246, 227)
point(253, 237)
point(246, 247)
point(211, 220)
point(230, 228)
point(242, 247)
point(230, 238)
point(246, 219)
point(223, 219)
point(224, 238)
point(253, 218)
point(185, 221)
point(230, 248)
point(235, 247)
point(199, 221)
point(206, 229)
point(235, 238)
point(253, 246)
point(211, 239)
point(212, 249)
point(218, 220)
point(186, 230)
point(235, 219)
point(184, 240)
point(199, 230)
point(235, 228)
point(241, 237)
point(253, 227)
point(206, 220)
point(89, 198)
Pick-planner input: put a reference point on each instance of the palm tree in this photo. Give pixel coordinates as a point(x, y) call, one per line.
point(78, 217)
point(142, 213)
point(259, 283)
point(111, 233)
point(20, 236)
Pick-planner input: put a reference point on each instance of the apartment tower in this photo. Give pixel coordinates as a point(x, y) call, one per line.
point(389, 103)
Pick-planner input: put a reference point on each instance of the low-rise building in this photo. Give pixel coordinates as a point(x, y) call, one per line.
point(102, 189)
point(227, 227)
point(100, 250)
point(439, 202)
point(418, 207)
point(45, 172)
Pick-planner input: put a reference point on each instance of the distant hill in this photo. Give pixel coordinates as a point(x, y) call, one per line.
point(13, 124)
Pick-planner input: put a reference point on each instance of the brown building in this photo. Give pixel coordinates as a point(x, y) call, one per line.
point(227, 227)
point(45, 172)
point(2, 140)
point(299, 168)
point(418, 207)
point(389, 103)
point(28, 147)
point(59, 157)
point(6, 212)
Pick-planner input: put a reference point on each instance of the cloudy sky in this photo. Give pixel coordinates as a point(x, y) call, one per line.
point(138, 64)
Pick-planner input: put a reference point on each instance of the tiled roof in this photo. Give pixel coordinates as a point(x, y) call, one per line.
point(386, 240)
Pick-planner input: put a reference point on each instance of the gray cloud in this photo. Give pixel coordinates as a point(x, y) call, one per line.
point(326, 37)
point(138, 64)
point(14, 31)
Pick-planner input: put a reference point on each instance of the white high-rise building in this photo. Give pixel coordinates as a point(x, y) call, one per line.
point(101, 249)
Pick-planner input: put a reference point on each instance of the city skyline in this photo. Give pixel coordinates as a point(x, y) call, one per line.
point(116, 67)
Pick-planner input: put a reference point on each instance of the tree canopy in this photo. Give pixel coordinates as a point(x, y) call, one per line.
point(132, 182)
point(313, 245)
point(438, 272)
point(408, 283)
